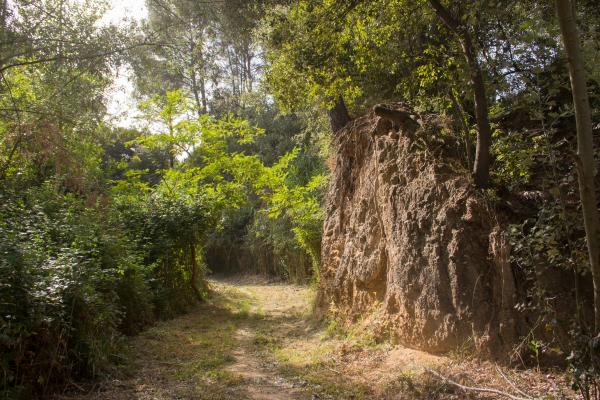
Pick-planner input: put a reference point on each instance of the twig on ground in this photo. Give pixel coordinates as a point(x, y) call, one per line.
point(476, 389)
point(511, 383)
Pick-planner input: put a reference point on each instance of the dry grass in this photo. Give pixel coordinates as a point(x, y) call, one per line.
point(257, 340)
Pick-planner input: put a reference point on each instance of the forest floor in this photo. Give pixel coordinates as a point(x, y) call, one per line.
point(258, 340)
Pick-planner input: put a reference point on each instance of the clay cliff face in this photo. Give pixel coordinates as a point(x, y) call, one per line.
point(409, 242)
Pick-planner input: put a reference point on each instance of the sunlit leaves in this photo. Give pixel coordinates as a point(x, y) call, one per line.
point(299, 204)
point(322, 50)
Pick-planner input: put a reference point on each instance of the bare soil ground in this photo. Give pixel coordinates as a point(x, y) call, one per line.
point(257, 340)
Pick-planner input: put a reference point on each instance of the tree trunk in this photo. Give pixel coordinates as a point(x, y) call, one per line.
point(249, 73)
point(481, 166)
point(232, 71)
point(4, 20)
point(195, 273)
point(200, 103)
point(338, 115)
point(585, 144)
point(200, 109)
point(203, 94)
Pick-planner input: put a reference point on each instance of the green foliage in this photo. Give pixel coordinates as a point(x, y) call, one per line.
point(104, 230)
point(515, 154)
point(162, 229)
point(373, 51)
point(63, 267)
point(291, 199)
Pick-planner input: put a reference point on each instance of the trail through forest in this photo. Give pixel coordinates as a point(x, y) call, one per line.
point(255, 340)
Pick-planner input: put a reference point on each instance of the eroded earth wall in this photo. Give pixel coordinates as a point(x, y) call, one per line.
point(409, 243)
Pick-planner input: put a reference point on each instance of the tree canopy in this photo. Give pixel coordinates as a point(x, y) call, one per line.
point(105, 229)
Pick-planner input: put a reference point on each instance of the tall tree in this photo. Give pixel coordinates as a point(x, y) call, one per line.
point(206, 48)
point(181, 32)
point(237, 20)
point(55, 59)
point(586, 168)
point(481, 166)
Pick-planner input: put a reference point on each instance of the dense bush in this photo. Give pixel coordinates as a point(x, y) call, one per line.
point(76, 278)
point(61, 266)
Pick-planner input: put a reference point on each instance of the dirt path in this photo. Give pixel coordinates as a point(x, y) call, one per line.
point(217, 351)
point(254, 340)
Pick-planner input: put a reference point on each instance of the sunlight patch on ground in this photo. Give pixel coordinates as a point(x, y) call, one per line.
point(258, 340)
